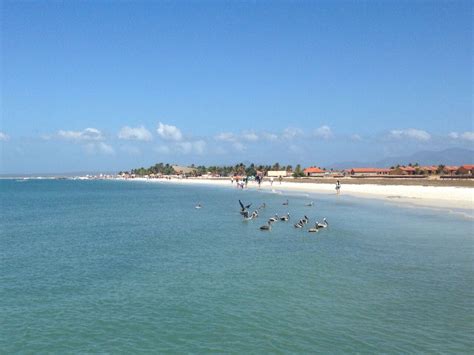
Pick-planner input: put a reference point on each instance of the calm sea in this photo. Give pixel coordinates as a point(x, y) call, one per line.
point(110, 266)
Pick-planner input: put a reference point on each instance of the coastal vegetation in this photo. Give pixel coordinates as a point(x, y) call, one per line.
point(276, 170)
point(224, 170)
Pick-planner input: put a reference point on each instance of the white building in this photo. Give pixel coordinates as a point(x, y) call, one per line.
point(278, 173)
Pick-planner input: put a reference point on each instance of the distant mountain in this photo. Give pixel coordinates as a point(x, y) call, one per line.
point(452, 156)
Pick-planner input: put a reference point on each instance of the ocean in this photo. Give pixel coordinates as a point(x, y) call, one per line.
point(132, 267)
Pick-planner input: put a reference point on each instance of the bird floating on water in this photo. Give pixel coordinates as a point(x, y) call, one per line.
point(266, 227)
point(273, 219)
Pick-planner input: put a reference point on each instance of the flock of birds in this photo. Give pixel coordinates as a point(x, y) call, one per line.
point(247, 215)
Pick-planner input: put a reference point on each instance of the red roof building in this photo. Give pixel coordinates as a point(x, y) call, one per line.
point(466, 169)
point(429, 169)
point(314, 171)
point(450, 170)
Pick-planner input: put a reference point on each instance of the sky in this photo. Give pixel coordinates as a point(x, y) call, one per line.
point(114, 85)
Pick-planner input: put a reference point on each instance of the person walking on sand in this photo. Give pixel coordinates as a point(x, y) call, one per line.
point(271, 181)
point(280, 179)
point(232, 180)
point(338, 187)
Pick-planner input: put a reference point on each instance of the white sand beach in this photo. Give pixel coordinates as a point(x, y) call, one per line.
point(429, 196)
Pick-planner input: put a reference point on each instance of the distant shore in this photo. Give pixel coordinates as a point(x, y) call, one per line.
point(430, 193)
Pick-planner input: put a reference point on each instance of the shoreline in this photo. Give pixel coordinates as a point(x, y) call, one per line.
point(420, 195)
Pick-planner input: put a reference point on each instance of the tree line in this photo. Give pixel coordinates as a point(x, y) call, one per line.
point(225, 170)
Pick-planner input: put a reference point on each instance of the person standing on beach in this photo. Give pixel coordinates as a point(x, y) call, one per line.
point(338, 187)
point(271, 181)
point(280, 179)
point(232, 180)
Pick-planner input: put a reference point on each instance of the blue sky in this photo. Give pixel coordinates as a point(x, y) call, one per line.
point(99, 85)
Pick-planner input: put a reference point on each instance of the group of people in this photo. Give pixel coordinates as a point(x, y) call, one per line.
point(241, 183)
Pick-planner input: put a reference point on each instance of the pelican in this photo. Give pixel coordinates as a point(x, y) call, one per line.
point(314, 229)
point(255, 214)
point(298, 225)
point(266, 227)
point(243, 207)
point(263, 205)
point(286, 203)
point(325, 224)
point(285, 218)
point(274, 219)
point(198, 206)
point(310, 204)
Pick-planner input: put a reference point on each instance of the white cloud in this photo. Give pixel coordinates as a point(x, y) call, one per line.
point(356, 137)
point(4, 137)
point(467, 136)
point(269, 136)
point(411, 133)
point(250, 136)
point(99, 147)
point(239, 146)
point(199, 146)
point(196, 147)
point(225, 137)
point(291, 133)
point(169, 132)
point(89, 134)
point(135, 133)
point(323, 132)
point(105, 148)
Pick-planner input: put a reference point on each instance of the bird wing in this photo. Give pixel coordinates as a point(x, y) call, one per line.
point(242, 205)
point(248, 206)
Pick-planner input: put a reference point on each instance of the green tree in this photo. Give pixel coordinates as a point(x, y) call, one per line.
point(298, 172)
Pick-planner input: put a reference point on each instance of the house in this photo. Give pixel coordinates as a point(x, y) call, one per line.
point(428, 170)
point(450, 170)
point(184, 170)
point(278, 173)
point(467, 169)
point(368, 171)
point(314, 171)
point(403, 170)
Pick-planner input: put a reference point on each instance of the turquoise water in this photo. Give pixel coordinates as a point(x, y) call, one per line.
point(110, 266)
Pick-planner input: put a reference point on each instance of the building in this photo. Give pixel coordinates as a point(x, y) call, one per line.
point(467, 169)
point(278, 173)
point(403, 170)
point(368, 171)
point(314, 171)
point(184, 170)
point(428, 170)
point(450, 170)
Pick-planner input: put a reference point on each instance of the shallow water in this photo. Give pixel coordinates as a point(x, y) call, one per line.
point(111, 266)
